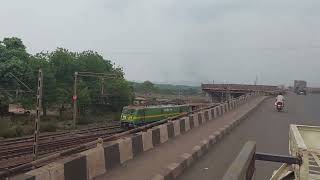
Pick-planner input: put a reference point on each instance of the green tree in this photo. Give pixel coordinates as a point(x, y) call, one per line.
point(12, 48)
point(49, 92)
point(121, 94)
point(14, 61)
point(58, 68)
point(147, 87)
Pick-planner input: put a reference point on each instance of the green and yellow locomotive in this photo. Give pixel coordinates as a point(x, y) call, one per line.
point(133, 116)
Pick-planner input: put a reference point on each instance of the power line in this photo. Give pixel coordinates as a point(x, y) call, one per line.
point(29, 89)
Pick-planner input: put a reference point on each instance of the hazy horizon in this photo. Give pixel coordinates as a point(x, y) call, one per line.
point(192, 41)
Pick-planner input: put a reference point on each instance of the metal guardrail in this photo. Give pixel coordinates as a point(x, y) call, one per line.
point(278, 158)
point(243, 167)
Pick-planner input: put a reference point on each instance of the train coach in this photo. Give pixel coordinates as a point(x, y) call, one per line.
point(133, 116)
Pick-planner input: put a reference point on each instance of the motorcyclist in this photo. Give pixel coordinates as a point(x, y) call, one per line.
point(280, 98)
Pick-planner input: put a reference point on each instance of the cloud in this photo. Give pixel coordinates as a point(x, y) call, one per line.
point(179, 41)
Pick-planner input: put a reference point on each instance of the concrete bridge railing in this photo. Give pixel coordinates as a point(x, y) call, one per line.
point(240, 87)
point(243, 166)
point(97, 161)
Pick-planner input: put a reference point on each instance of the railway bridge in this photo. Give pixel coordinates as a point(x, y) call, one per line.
point(199, 145)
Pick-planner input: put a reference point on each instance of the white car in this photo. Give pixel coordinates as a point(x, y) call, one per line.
point(17, 109)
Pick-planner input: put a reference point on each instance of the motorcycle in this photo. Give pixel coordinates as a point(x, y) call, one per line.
point(279, 106)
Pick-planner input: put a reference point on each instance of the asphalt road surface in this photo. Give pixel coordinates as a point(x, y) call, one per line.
point(265, 126)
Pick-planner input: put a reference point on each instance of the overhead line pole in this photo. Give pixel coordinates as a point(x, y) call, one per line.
point(38, 115)
point(75, 98)
point(75, 108)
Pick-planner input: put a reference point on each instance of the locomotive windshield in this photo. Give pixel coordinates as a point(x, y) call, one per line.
point(128, 111)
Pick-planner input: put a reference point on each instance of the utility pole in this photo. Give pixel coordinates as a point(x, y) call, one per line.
point(228, 93)
point(74, 98)
point(256, 81)
point(102, 86)
point(102, 91)
point(86, 74)
point(17, 94)
point(38, 115)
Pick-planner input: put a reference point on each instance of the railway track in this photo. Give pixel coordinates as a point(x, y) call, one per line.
point(14, 152)
point(53, 134)
point(29, 140)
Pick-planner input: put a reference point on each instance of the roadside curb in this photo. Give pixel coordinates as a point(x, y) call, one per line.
point(185, 160)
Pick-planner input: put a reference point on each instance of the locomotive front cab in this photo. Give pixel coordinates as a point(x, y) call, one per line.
point(127, 117)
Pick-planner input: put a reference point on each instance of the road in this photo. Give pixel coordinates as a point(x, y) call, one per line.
point(265, 126)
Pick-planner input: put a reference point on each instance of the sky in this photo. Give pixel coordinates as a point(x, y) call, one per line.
point(180, 42)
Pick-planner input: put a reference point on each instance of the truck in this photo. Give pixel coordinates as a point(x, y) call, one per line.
point(303, 163)
point(300, 87)
point(303, 143)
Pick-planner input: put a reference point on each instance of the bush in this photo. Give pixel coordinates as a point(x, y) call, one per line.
point(67, 125)
point(5, 130)
point(8, 133)
point(19, 130)
point(28, 129)
point(10, 130)
point(83, 121)
point(48, 126)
